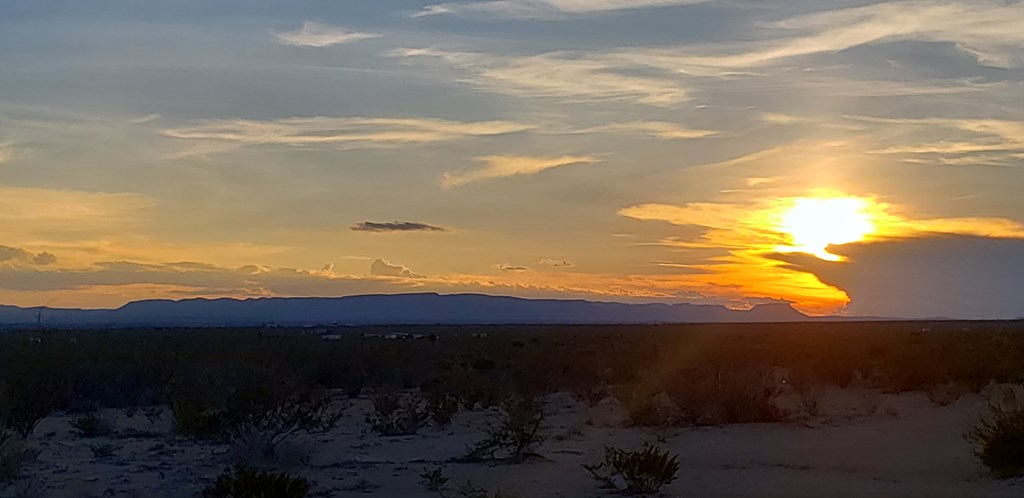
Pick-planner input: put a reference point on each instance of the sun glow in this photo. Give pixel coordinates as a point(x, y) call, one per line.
point(812, 224)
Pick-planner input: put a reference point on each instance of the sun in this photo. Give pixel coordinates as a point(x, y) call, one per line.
point(812, 224)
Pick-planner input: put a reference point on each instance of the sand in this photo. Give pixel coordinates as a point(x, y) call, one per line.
point(862, 443)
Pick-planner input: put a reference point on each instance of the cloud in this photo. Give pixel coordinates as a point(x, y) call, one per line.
point(348, 132)
point(543, 8)
point(569, 75)
point(509, 166)
point(505, 267)
point(556, 263)
point(381, 268)
point(991, 31)
point(6, 152)
point(395, 226)
point(18, 255)
point(314, 34)
point(26, 210)
point(940, 276)
point(659, 129)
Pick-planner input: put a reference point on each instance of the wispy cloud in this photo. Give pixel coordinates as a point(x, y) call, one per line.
point(991, 31)
point(566, 75)
point(314, 34)
point(350, 132)
point(659, 129)
point(543, 8)
point(508, 166)
point(395, 226)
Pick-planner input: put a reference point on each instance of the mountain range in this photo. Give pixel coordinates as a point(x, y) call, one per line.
point(397, 309)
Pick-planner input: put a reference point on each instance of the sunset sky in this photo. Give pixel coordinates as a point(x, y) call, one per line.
point(852, 157)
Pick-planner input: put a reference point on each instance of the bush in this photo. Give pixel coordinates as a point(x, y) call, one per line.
point(998, 436)
point(396, 414)
point(92, 425)
point(434, 480)
point(470, 490)
point(258, 407)
point(246, 482)
point(103, 450)
point(717, 397)
point(517, 434)
point(14, 455)
point(642, 472)
point(28, 398)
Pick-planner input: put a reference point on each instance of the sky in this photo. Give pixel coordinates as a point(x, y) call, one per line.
point(848, 157)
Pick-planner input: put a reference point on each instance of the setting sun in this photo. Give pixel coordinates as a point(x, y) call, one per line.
point(813, 224)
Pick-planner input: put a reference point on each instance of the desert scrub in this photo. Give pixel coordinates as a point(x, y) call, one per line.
point(470, 490)
point(92, 425)
point(643, 472)
point(998, 435)
point(27, 398)
point(247, 482)
point(434, 480)
point(398, 414)
point(253, 409)
point(517, 433)
point(103, 450)
point(14, 455)
point(719, 397)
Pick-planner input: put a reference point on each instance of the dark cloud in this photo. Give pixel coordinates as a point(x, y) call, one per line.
point(512, 268)
point(44, 258)
point(556, 263)
point(8, 253)
point(17, 254)
point(940, 276)
point(395, 226)
point(381, 268)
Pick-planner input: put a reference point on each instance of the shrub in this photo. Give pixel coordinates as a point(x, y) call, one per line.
point(642, 472)
point(258, 407)
point(717, 397)
point(442, 407)
point(397, 414)
point(28, 398)
point(246, 482)
point(92, 425)
point(434, 480)
point(14, 455)
point(103, 450)
point(998, 436)
point(470, 490)
point(518, 432)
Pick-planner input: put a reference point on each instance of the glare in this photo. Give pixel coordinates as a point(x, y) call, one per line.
point(812, 224)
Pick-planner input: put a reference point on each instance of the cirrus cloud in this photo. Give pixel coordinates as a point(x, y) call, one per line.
point(509, 166)
point(314, 34)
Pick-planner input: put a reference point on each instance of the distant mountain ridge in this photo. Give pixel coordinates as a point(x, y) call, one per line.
point(392, 309)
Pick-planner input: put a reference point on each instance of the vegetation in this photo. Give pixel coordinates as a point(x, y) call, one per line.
point(642, 472)
point(14, 455)
point(517, 434)
point(252, 405)
point(246, 482)
point(434, 480)
point(470, 490)
point(998, 436)
point(103, 450)
point(92, 425)
point(398, 414)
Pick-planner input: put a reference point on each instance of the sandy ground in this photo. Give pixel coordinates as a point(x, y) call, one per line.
point(862, 444)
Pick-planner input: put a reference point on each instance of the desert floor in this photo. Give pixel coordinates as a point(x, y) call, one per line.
point(862, 443)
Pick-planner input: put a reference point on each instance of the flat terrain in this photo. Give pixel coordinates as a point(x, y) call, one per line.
point(752, 410)
point(864, 443)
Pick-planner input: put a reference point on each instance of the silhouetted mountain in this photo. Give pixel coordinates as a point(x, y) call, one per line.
point(389, 309)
